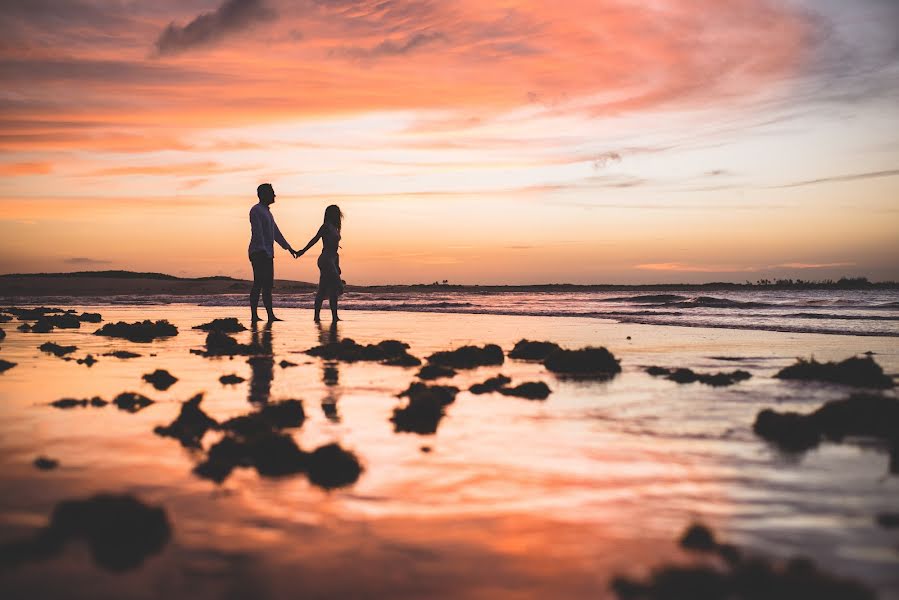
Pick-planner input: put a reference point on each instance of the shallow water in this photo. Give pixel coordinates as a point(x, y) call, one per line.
point(869, 312)
point(517, 498)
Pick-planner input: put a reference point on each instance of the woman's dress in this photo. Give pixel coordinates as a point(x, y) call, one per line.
point(329, 262)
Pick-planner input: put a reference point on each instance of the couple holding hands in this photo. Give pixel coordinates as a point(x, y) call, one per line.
point(264, 233)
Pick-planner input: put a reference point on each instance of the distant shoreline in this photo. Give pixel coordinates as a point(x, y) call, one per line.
point(130, 283)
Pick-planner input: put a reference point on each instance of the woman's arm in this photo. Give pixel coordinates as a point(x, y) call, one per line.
point(311, 243)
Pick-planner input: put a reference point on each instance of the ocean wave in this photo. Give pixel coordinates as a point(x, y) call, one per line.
point(649, 299)
point(806, 315)
point(713, 302)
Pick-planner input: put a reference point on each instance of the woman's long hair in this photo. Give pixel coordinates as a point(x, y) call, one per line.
point(333, 216)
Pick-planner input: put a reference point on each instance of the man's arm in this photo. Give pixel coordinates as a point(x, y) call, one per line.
point(280, 239)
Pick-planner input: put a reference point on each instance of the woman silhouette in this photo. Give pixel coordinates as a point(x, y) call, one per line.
point(329, 282)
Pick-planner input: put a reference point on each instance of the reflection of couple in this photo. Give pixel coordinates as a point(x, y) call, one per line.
point(264, 233)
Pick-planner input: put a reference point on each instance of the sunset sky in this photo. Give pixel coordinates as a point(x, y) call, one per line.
point(511, 141)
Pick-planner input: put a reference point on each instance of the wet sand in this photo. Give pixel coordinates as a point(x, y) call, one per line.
point(515, 499)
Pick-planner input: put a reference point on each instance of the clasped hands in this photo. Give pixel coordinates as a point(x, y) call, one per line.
point(297, 253)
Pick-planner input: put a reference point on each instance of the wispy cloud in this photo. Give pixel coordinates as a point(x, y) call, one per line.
point(839, 178)
point(207, 28)
point(392, 47)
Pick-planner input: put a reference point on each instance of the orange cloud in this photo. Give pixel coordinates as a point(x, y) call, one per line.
point(25, 168)
point(599, 56)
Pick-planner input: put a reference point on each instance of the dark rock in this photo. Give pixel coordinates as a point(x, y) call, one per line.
point(331, 467)
point(5, 319)
point(388, 352)
point(33, 314)
point(528, 350)
point(144, 331)
point(131, 402)
point(222, 458)
point(45, 464)
point(2, 334)
point(424, 410)
point(124, 354)
point(532, 390)
point(425, 449)
point(56, 349)
point(272, 454)
point(699, 538)
point(88, 360)
point(435, 372)
point(737, 579)
point(683, 375)
point(469, 357)
point(231, 379)
point(724, 379)
point(190, 426)
point(888, 520)
point(403, 360)
point(492, 384)
point(66, 321)
point(859, 415)
point(276, 455)
point(286, 413)
point(120, 531)
point(228, 325)
point(24, 328)
point(855, 371)
point(42, 325)
point(5, 365)
point(284, 364)
point(791, 431)
point(277, 415)
point(591, 362)
point(87, 317)
point(160, 379)
point(219, 343)
point(96, 402)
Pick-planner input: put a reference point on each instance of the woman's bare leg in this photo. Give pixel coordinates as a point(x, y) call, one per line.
point(319, 298)
point(332, 302)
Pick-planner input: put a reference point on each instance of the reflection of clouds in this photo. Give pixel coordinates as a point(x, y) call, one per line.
point(330, 373)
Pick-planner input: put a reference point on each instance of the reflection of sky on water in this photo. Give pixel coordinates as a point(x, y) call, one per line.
point(516, 495)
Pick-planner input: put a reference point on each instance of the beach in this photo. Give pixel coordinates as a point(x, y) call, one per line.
point(509, 498)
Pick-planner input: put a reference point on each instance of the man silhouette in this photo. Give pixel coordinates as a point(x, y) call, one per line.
point(264, 233)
